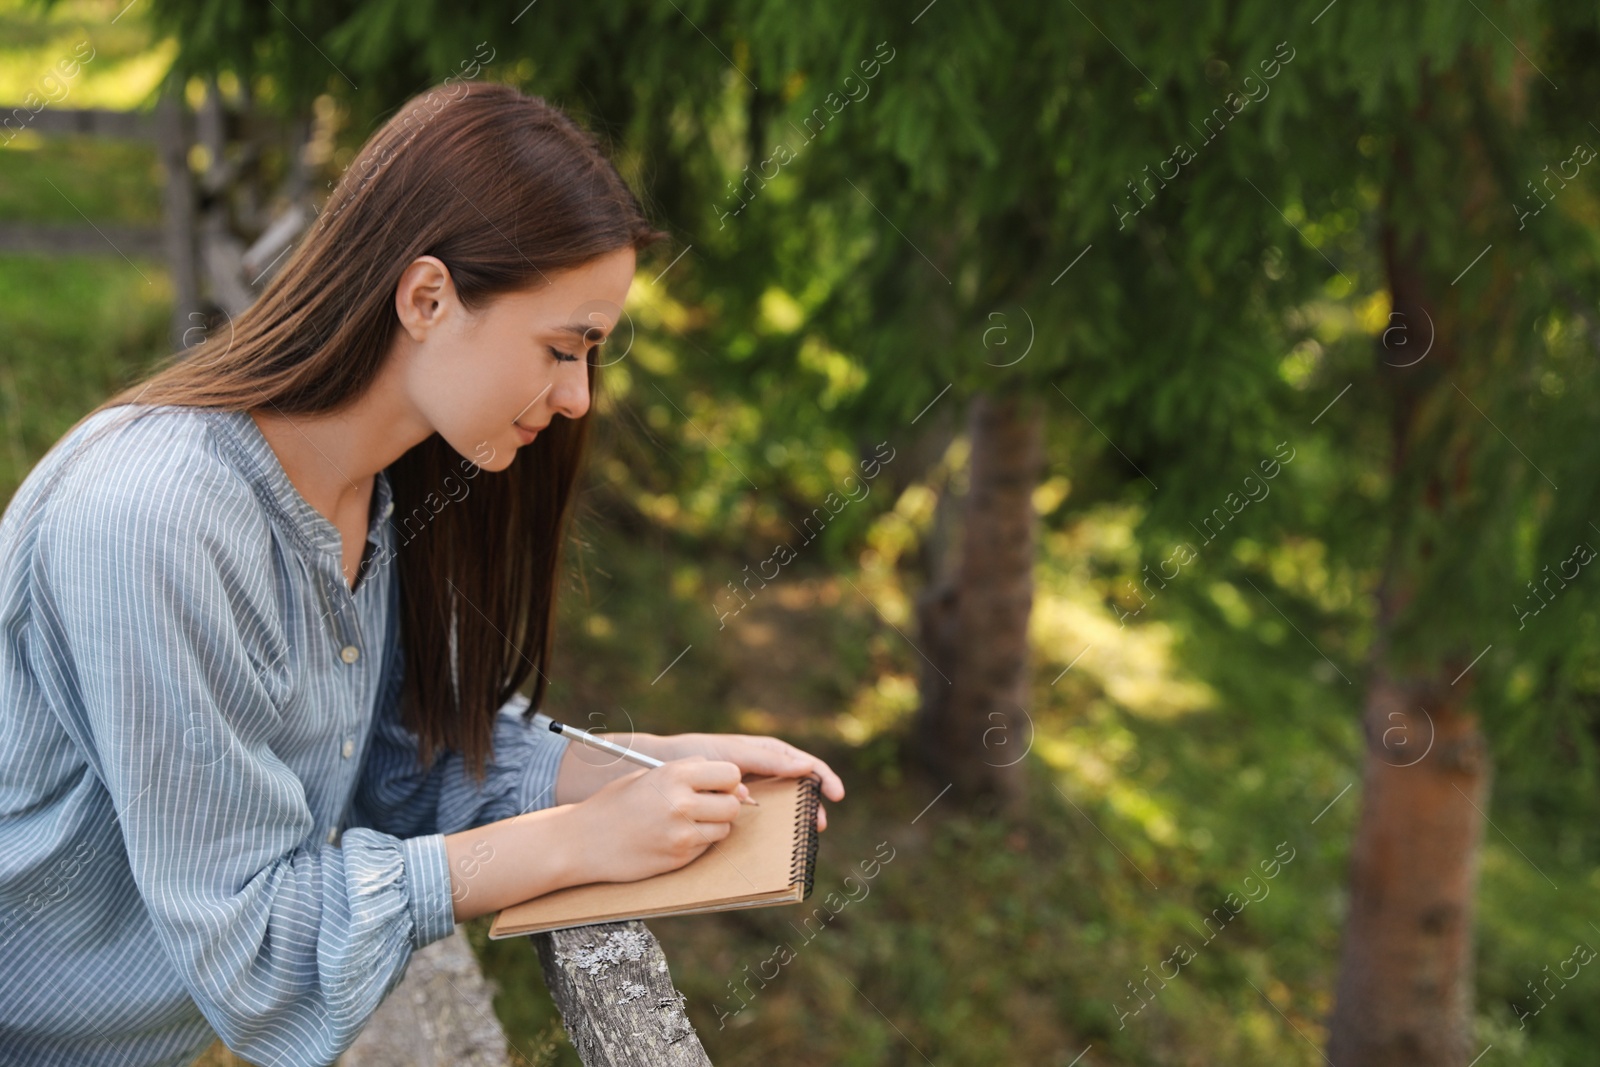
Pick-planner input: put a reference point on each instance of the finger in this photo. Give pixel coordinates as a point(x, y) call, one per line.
point(822, 818)
point(796, 762)
point(832, 784)
point(786, 760)
point(711, 807)
point(719, 775)
point(717, 831)
point(771, 755)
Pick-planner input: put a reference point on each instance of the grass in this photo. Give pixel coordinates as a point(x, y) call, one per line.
point(75, 330)
point(984, 937)
point(68, 180)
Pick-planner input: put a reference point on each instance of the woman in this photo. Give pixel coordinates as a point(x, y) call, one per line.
point(264, 618)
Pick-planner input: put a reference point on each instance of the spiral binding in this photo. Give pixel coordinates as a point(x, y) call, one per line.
point(804, 864)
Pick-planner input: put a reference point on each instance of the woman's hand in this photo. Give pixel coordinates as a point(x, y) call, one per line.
point(754, 755)
point(656, 819)
point(646, 822)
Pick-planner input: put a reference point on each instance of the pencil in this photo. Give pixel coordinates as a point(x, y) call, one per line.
point(617, 750)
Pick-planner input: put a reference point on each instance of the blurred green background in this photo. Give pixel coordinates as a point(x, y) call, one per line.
point(1202, 327)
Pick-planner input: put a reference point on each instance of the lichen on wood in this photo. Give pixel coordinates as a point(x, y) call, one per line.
point(616, 997)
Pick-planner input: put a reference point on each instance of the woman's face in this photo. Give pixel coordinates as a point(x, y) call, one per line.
point(480, 377)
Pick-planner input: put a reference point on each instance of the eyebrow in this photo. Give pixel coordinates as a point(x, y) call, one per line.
point(582, 331)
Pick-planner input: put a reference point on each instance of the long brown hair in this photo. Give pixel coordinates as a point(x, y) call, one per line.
point(504, 189)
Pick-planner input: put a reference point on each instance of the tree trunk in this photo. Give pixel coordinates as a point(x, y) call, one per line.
point(974, 728)
point(1405, 989)
point(1405, 975)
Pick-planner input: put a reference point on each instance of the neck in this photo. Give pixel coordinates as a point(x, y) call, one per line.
point(332, 458)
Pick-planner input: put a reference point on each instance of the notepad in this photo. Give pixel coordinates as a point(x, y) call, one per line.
point(768, 858)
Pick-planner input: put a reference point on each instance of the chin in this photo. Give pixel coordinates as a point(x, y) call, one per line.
point(498, 457)
point(488, 453)
point(501, 460)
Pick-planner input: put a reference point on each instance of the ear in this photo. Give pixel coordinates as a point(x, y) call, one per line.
point(424, 294)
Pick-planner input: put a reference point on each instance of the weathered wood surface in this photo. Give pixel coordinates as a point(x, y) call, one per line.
point(616, 997)
point(440, 1015)
point(141, 125)
point(172, 142)
point(67, 239)
point(96, 122)
point(213, 223)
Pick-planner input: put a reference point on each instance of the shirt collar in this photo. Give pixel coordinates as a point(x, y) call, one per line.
point(255, 459)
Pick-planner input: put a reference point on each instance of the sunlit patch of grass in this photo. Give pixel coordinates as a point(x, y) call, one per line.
point(1134, 664)
point(43, 48)
point(879, 708)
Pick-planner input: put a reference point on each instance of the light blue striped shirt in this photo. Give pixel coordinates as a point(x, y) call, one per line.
point(211, 818)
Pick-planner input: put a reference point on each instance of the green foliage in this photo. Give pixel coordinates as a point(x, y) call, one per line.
point(1205, 319)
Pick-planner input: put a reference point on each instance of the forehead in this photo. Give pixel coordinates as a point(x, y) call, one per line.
point(579, 302)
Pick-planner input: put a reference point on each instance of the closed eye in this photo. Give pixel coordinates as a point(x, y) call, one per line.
point(563, 357)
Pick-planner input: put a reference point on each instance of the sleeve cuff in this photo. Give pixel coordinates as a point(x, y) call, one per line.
point(433, 912)
point(538, 787)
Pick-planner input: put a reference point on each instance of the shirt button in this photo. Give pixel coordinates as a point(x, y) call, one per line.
point(350, 653)
point(333, 836)
point(349, 748)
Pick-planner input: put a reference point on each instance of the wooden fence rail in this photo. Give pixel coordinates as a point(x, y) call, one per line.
point(222, 231)
point(616, 997)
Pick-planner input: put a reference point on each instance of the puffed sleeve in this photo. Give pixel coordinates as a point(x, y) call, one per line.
point(397, 796)
point(154, 594)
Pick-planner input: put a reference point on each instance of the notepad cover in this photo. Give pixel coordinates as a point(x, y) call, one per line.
point(768, 858)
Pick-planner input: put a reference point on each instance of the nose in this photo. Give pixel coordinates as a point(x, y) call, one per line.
point(569, 394)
